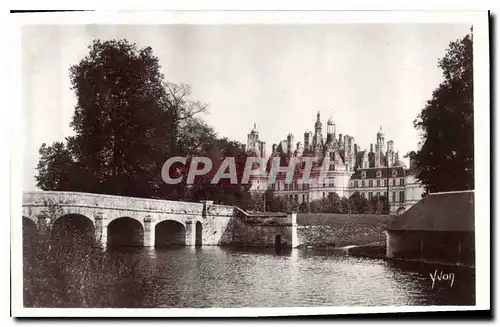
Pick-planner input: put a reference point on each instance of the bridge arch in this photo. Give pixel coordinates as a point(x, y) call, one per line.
point(170, 233)
point(125, 231)
point(72, 229)
point(198, 234)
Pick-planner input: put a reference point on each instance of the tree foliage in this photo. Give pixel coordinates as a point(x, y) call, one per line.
point(355, 204)
point(445, 161)
point(128, 121)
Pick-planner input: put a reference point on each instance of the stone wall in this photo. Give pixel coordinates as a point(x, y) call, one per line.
point(447, 247)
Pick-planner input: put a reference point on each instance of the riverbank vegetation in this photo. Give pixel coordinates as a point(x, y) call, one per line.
point(346, 229)
point(64, 266)
point(355, 204)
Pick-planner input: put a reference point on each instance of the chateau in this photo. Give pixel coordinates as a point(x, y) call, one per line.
point(338, 165)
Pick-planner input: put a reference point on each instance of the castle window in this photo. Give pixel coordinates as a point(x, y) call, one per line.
point(303, 198)
point(362, 183)
point(370, 195)
point(378, 182)
point(385, 182)
point(402, 196)
point(394, 173)
point(378, 194)
point(370, 183)
point(393, 182)
point(379, 174)
point(286, 187)
point(402, 182)
point(363, 174)
point(393, 197)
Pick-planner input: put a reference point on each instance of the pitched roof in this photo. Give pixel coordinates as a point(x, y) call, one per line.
point(447, 211)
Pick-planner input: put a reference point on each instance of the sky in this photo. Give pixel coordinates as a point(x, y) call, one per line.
point(363, 76)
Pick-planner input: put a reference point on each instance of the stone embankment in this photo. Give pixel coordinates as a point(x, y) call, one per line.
point(351, 234)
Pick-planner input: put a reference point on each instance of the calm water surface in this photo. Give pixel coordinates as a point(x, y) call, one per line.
point(225, 277)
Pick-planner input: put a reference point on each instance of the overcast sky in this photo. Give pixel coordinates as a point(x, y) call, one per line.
point(277, 76)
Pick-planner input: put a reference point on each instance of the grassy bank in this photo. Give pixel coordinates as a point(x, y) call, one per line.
point(344, 229)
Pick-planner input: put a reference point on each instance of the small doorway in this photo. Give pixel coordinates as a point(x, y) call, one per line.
point(277, 241)
point(198, 238)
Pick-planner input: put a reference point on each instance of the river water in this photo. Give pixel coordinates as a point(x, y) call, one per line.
point(228, 277)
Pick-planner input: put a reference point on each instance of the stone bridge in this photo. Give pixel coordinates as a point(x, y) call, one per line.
point(117, 220)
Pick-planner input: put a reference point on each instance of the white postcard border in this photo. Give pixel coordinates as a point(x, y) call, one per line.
point(479, 19)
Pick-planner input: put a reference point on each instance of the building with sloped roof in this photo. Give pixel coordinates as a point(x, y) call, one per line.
point(438, 228)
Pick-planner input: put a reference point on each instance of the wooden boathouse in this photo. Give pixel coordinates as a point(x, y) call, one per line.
point(437, 229)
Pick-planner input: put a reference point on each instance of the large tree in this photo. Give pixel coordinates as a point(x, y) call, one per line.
point(445, 160)
point(128, 121)
point(120, 118)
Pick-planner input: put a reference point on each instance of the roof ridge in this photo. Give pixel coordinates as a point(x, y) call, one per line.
point(451, 192)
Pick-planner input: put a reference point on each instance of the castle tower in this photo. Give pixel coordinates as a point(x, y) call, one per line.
point(330, 134)
point(390, 152)
point(380, 139)
point(365, 162)
point(300, 148)
point(318, 136)
point(307, 140)
point(349, 148)
point(377, 155)
point(262, 149)
point(289, 141)
point(252, 139)
point(318, 125)
point(254, 145)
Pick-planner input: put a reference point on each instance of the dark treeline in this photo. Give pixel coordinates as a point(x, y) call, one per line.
point(355, 204)
point(128, 121)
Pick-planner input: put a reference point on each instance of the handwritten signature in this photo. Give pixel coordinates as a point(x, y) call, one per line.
point(441, 276)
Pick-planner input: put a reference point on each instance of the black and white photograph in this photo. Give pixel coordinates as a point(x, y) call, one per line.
point(266, 161)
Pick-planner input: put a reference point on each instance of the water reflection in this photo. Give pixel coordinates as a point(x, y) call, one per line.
point(232, 277)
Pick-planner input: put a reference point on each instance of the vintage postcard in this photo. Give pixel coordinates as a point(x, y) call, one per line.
point(250, 163)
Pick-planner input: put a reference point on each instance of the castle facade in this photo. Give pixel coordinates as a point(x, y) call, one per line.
point(339, 166)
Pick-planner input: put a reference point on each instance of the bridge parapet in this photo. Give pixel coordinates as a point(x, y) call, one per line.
point(110, 202)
